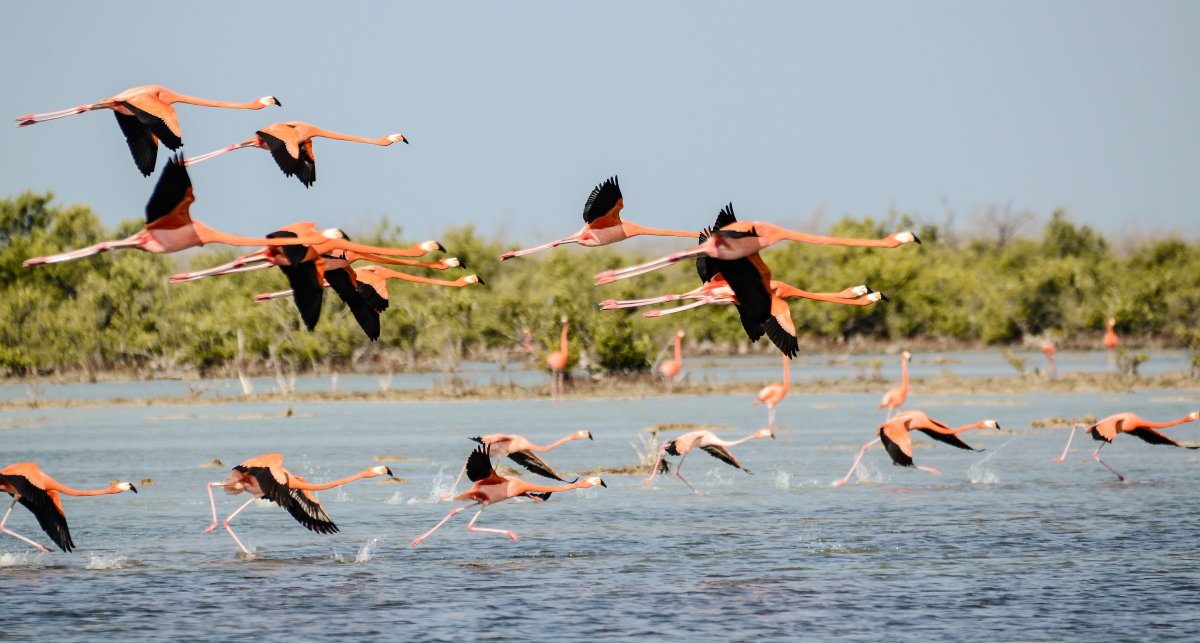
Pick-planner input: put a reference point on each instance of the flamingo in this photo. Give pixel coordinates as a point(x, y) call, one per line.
point(706, 440)
point(265, 477)
point(519, 449)
point(290, 144)
point(334, 257)
point(717, 291)
point(1106, 430)
point(773, 394)
point(490, 488)
point(557, 361)
point(170, 227)
point(38, 493)
point(146, 117)
point(1049, 350)
point(1110, 335)
point(737, 239)
point(894, 435)
point(895, 397)
point(670, 369)
point(364, 291)
point(602, 224)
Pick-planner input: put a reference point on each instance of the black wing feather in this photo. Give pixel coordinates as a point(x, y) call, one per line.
point(725, 217)
point(307, 291)
point(533, 464)
point(952, 440)
point(479, 465)
point(141, 141)
point(305, 511)
point(898, 455)
point(156, 125)
point(539, 496)
point(721, 453)
point(372, 298)
point(754, 302)
point(171, 189)
point(602, 199)
point(1154, 437)
point(41, 505)
point(290, 166)
point(783, 340)
point(367, 319)
point(306, 171)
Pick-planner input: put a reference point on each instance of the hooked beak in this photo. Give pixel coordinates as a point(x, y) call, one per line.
point(389, 471)
point(462, 264)
point(916, 239)
point(481, 281)
point(997, 426)
point(132, 488)
point(883, 297)
point(602, 483)
point(589, 434)
point(772, 435)
point(278, 103)
point(440, 247)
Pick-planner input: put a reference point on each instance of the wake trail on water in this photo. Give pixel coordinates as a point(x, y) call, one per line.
point(979, 473)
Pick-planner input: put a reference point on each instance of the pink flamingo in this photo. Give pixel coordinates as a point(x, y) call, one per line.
point(557, 361)
point(894, 435)
point(739, 239)
point(335, 258)
point(38, 493)
point(707, 441)
point(146, 116)
point(602, 224)
point(670, 369)
point(895, 397)
point(519, 449)
point(1106, 430)
point(491, 487)
point(773, 394)
point(1110, 334)
point(265, 477)
point(290, 144)
point(1049, 350)
point(717, 291)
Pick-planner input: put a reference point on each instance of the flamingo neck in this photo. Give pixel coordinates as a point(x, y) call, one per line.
point(560, 441)
point(296, 484)
point(775, 234)
point(977, 425)
point(540, 488)
point(633, 230)
point(172, 97)
point(678, 353)
point(84, 492)
point(562, 342)
point(1164, 425)
point(382, 141)
point(787, 373)
point(752, 436)
point(903, 376)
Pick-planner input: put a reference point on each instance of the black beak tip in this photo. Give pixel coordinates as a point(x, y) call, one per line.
point(869, 289)
point(883, 297)
point(916, 239)
point(406, 140)
point(481, 281)
point(603, 484)
point(590, 436)
point(389, 471)
point(132, 488)
point(278, 103)
point(462, 264)
point(440, 247)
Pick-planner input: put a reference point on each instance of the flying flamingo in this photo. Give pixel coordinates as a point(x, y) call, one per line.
point(490, 488)
point(773, 394)
point(265, 477)
point(290, 144)
point(334, 257)
point(146, 117)
point(557, 361)
point(894, 435)
point(38, 492)
point(895, 397)
point(737, 239)
point(519, 449)
point(1106, 430)
point(1049, 350)
point(1110, 335)
point(170, 228)
point(717, 291)
point(670, 369)
point(706, 440)
point(602, 223)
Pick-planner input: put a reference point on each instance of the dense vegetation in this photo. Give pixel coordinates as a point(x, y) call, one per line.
point(117, 311)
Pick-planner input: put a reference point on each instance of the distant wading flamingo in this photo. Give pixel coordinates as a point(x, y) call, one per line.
point(773, 394)
point(602, 224)
point(895, 438)
point(490, 488)
point(38, 493)
point(290, 144)
point(670, 368)
point(146, 117)
point(264, 477)
point(1049, 350)
point(557, 361)
point(1110, 334)
point(895, 397)
point(1106, 430)
point(519, 449)
point(706, 440)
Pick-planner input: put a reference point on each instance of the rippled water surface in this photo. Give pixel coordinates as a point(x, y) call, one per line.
point(1003, 545)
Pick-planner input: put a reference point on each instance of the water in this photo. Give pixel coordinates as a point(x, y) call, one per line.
point(1004, 545)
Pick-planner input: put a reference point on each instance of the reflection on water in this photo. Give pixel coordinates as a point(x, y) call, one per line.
point(1003, 545)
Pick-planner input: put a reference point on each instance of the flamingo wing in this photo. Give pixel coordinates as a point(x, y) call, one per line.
point(704, 264)
point(952, 440)
point(158, 117)
point(301, 505)
point(543, 497)
point(346, 286)
point(479, 465)
point(1104, 431)
point(1154, 437)
point(172, 197)
point(780, 329)
point(754, 300)
point(287, 161)
point(304, 278)
point(603, 206)
point(534, 464)
point(45, 507)
point(141, 141)
point(306, 171)
point(721, 453)
point(898, 444)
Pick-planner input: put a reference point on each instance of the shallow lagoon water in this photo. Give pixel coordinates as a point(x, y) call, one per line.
point(1004, 545)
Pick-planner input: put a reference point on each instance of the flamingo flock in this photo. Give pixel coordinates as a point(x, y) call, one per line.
point(727, 258)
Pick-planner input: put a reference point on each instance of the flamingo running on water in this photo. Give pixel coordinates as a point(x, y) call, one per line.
point(39, 493)
point(894, 435)
point(1107, 430)
point(706, 440)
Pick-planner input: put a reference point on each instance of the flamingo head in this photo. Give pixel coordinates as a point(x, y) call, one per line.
point(564, 319)
point(876, 296)
point(269, 100)
point(334, 233)
point(379, 471)
point(1111, 321)
point(473, 279)
point(125, 486)
point(907, 356)
point(579, 435)
point(1194, 415)
point(397, 138)
point(679, 333)
point(432, 246)
point(859, 291)
point(765, 433)
point(453, 262)
point(905, 237)
point(594, 482)
point(991, 424)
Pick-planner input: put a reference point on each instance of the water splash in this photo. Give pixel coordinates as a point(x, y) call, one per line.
point(783, 479)
point(110, 560)
point(395, 499)
point(363, 555)
point(18, 560)
point(868, 473)
point(438, 488)
point(980, 473)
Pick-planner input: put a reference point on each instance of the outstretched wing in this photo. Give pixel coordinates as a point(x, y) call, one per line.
point(534, 464)
point(300, 504)
point(306, 171)
point(1154, 437)
point(901, 453)
point(164, 125)
point(291, 165)
point(141, 141)
point(172, 197)
point(45, 507)
point(780, 328)
point(303, 277)
point(538, 496)
point(343, 283)
point(947, 438)
point(721, 453)
point(603, 206)
point(479, 465)
point(754, 300)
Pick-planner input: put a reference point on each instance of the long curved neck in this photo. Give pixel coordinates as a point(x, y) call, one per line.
point(904, 374)
point(1163, 425)
point(752, 436)
point(541, 488)
point(341, 244)
point(969, 427)
point(792, 235)
point(296, 484)
point(787, 373)
point(787, 291)
point(560, 441)
point(562, 341)
point(633, 230)
point(61, 488)
point(174, 97)
point(382, 140)
point(209, 235)
point(678, 353)
point(392, 274)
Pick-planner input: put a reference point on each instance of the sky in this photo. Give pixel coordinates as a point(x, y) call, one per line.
point(797, 112)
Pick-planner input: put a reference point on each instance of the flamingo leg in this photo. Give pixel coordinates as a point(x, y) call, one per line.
point(204, 157)
point(103, 246)
point(929, 470)
point(471, 527)
point(680, 476)
point(609, 276)
point(15, 534)
point(1066, 448)
point(677, 309)
point(512, 254)
point(862, 451)
point(654, 469)
point(33, 119)
point(1096, 457)
point(213, 503)
point(770, 416)
point(454, 486)
point(254, 261)
point(271, 296)
point(614, 304)
point(453, 512)
point(230, 530)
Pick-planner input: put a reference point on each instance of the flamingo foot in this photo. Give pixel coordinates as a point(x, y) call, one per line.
point(211, 527)
point(513, 536)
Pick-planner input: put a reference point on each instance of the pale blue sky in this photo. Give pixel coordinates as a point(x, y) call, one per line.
point(516, 110)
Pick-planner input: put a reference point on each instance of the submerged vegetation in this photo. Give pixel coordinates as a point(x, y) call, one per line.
point(118, 312)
